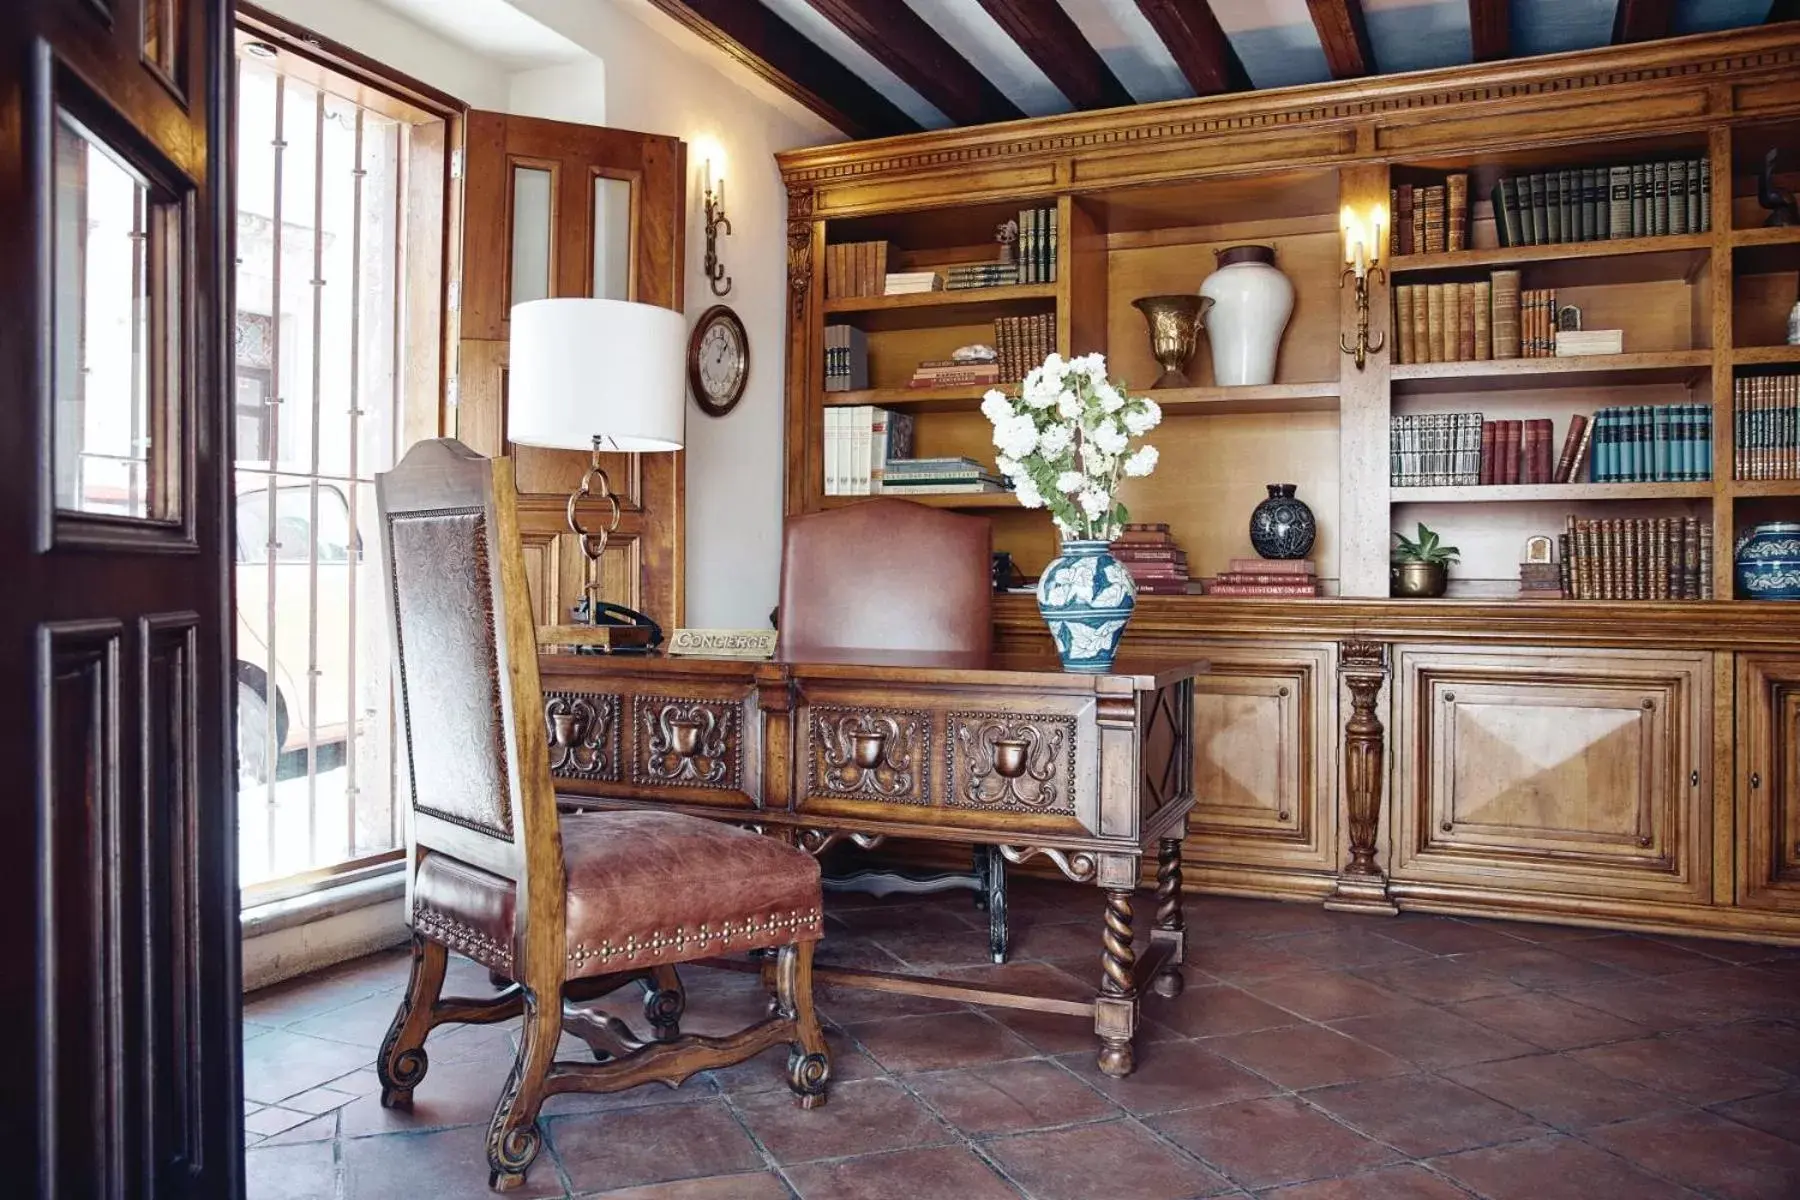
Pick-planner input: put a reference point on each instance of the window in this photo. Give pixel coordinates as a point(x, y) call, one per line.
point(321, 339)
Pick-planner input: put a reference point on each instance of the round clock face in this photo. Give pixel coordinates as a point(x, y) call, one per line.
point(718, 360)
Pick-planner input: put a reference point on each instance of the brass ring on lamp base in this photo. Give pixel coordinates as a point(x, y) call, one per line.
point(593, 542)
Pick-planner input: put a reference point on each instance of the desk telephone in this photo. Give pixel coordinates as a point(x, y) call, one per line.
point(617, 616)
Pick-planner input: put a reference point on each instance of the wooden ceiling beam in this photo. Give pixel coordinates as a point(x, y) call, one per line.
point(1490, 30)
point(906, 44)
point(1052, 40)
point(1198, 45)
point(1643, 21)
point(780, 54)
point(1344, 36)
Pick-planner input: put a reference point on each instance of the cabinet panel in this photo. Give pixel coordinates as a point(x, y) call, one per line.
point(1768, 781)
point(1264, 764)
point(1574, 771)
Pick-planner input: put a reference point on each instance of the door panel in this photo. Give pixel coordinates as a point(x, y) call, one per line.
point(1558, 770)
point(1768, 781)
point(115, 638)
point(557, 209)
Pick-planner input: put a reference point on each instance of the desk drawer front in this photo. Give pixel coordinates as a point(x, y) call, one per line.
point(698, 746)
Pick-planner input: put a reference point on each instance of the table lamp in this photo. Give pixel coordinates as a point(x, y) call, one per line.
point(595, 375)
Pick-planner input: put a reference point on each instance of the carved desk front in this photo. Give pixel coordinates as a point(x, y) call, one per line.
point(1087, 771)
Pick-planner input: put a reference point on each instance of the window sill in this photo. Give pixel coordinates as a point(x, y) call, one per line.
point(318, 929)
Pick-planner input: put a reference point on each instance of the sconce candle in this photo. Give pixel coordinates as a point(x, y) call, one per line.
point(1362, 250)
point(713, 198)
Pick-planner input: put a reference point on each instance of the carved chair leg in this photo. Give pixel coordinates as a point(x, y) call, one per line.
point(1170, 925)
point(1115, 1011)
point(401, 1063)
point(513, 1136)
point(809, 1060)
point(994, 876)
point(664, 1002)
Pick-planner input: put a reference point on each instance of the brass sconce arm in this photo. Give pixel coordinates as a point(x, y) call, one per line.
point(716, 220)
point(1364, 344)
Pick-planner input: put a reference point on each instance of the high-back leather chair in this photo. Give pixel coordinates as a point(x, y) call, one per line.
point(890, 574)
point(569, 910)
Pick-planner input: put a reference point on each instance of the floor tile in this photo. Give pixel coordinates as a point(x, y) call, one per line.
point(1217, 1010)
point(449, 1164)
point(1354, 947)
point(1437, 980)
point(1306, 1056)
point(290, 1172)
point(1554, 1168)
point(360, 1023)
point(1757, 1042)
point(949, 1171)
point(1172, 1075)
point(283, 1064)
point(1423, 1116)
point(1272, 1140)
point(1709, 1153)
point(1543, 967)
point(1404, 1182)
point(1327, 995)
point(1012, 1097)
point(318, 1129)
point(870, 1115)
point(1119, 1160)
point(1543, 933)
point(1751, 990)
point(926, 918)
point(266, 1122)
point(1684, 1072)
point(762, 1185)
point(318, 1100)
point(1242, 962)
point(767, 1072)
point(1433, 1038)
point(1057, 1033)
point(937, 1043)
point(1777, 1113)
point(1658, 1005)
point(1212, 916)
point(629, 1147)
point(847, 1005)
point(1444, 935)
point(1548, 1021)
point(1560, 1091)
point(1642, 955)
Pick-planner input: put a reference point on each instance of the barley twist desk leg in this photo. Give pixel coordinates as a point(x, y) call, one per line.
point(1170, 926)
point(1115, 1011)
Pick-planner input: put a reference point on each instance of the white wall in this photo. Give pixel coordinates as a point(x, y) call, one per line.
point(403, 45)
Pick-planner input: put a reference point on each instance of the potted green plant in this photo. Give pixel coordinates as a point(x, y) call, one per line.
point(1421, 568)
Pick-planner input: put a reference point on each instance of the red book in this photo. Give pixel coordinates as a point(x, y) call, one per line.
point(1565, 463)
point(1260, 589)
point(1262, 577)
point(1528, 453)
point(1488, 451)
point(1273, 566)
point(1511, 433)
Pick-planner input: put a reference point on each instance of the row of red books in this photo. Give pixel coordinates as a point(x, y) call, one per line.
point(1524, 451)
point(1157, 565)
point(1266, 577)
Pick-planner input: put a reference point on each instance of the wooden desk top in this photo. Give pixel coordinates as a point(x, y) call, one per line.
point(1133, 672)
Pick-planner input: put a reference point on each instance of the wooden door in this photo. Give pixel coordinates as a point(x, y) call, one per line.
point(1576, 771)
point(555, 209)
point(1768, 781)
point(119, 878)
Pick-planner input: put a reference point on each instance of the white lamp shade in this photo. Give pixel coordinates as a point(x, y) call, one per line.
point(581, 369)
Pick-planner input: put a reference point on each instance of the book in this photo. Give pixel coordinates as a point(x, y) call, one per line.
point(1456, 200)
point(1273, 566)
point(1572, 343)
point(1465, 316)
point(1618, 202)
point(1402, 199)
point(1403, 322)
point(905, 283)
point(1566, 462)
point(1489, 452)
point(1434, 322)
point(1482, 303)
point(1506, 315)
point(1259, 589)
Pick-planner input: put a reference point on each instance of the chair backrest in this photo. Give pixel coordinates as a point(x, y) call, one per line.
point(465, 668)
point(887, 575)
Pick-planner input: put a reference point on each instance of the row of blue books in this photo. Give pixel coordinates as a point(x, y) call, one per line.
point(1643, 443)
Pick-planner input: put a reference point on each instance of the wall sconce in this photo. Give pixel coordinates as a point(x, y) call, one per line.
point(1362, 250)
point(715, 221)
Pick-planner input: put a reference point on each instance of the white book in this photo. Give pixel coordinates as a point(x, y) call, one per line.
point(1572, 343)
point(833, 469)
point(878, 440)
point(863, 427)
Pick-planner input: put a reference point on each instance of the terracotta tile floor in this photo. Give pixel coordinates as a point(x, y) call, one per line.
point(1313, 1056)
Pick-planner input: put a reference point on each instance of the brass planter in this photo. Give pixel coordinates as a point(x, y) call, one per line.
point(1419, 580)
point(1174, 323)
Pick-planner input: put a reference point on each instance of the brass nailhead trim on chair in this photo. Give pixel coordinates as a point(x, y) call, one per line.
point(463, 938)
point(680, 939)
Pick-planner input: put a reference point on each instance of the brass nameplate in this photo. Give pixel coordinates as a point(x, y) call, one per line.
point(724, 643)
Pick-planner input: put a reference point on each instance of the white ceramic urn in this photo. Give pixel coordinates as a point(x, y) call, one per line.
point(1251, 303)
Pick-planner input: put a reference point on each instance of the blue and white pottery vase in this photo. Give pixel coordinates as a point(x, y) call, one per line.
point(1768, 562)
point(1086, 596)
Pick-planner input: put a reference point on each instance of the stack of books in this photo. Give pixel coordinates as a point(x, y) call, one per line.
point(1540, 581)
point(1036, 248)
point(1266, 577)
point(1431, 218)
point(846, 359)
point(1663, 443)
point(860, 442)
point(1435, 449)
point(1537, 323)
point(1642, 558)
point(1024, 343)
point(1765, 426)
point(1594, 204)
point(1470, 322)
point(1156, 563)
point(981, 275)
point(955, 372)
point(855, 269)
point(907, 283)
point(1517, 452)
point(939, 476)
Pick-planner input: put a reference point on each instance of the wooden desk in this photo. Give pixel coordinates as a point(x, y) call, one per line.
point(1087, 771)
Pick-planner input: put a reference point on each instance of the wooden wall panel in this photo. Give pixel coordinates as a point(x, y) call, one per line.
point(1768, 781)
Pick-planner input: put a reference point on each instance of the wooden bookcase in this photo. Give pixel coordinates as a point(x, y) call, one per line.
point(1143, 198)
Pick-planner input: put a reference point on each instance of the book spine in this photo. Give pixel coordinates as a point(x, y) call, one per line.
point(1403, 316)
point(1403, 220)
point(1434, 322)
point(1704, 225)
point(1618, 202)
point(1678, 197)
point(1505, 316)
point(1465, 313)
point(1553, 205)
point(1489, 453)
point(1565, 462)
point(1640, 197)
point(1659, 199)
point(1456, 189)
point(1452, 330)
point(1483, 306)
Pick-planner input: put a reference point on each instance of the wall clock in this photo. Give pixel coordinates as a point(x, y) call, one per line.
point(718, 360)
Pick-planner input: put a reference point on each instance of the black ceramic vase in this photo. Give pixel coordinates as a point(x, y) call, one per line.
point(1282, 526)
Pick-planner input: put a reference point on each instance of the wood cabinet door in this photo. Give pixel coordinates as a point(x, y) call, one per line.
point(1555, 770)
point(1768, 781)
point(557, 209)
point(1264, 766)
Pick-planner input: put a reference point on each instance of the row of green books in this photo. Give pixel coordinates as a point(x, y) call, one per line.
point(1593, 204)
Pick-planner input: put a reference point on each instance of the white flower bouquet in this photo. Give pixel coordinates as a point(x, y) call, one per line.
point(1065, 443)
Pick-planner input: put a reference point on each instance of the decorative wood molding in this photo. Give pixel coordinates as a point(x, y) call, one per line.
point(1051, 39)
point(1079, 866)
point(1019, 761)
point(1198, 44)
point(1643, 20)
point(872, 754)
point(778, 52)
point(906, 44)
point(1490, 29)
point(582, 732)
point(800, 234)
point(1361, 886)
point(1345, 37)
point(688, 743)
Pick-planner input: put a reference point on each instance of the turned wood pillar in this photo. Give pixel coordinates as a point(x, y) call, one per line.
point(1361, 887)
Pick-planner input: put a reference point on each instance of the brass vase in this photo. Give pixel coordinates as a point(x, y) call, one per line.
point(1419, 580)
point(1174, 323)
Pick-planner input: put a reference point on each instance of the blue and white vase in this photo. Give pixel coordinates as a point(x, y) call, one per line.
point(1768, 562)
point(1086, 596)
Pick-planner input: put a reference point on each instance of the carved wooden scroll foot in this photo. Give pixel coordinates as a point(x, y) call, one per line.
point(1361, 886)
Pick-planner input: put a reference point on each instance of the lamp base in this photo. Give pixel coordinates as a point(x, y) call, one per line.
point(598, 639)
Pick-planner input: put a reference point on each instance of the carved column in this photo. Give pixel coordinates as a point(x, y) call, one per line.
point(1361, 887)
point(805, 242)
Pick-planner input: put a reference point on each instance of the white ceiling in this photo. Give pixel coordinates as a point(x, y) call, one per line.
point(493, 29)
